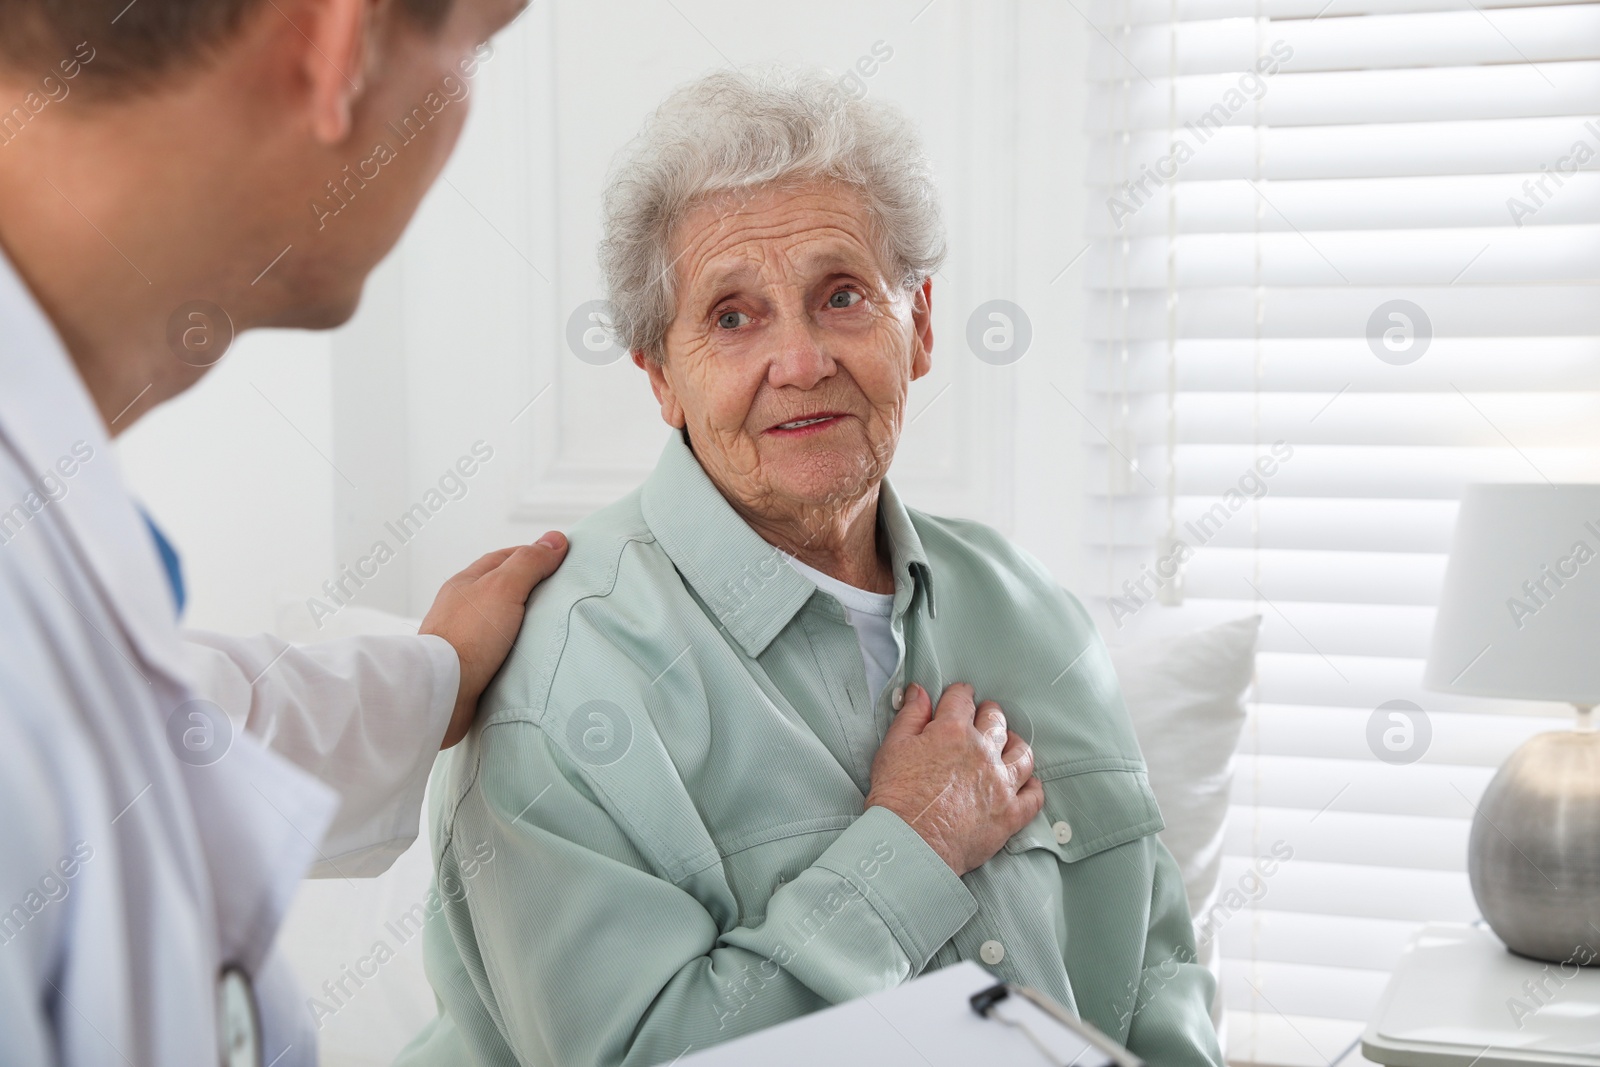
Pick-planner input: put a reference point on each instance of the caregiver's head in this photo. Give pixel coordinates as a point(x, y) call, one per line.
point(769, 245)
point(257, 155)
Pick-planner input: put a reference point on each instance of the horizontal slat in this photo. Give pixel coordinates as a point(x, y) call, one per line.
point(1366, 682)
point(1411, 203)
point(1455, 418)
point(1493, 146)
point(1479, 740)
point(1109, 14)
point(1336, 631)
point(1303, 683)
point(1339, 311)
point(1406, 578)
point(1457, 38)
point(1335, 366)
point(1329, 631)
point(1437, 257)
point(1407, 842)
point(1321, 940)
point(1415, 473)
point(1277, 523)
point(1302, 989)
point(1371, 892)
point(1329, 804)
point(1191, 106)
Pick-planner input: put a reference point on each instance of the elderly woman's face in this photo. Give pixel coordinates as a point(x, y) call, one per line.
point(792, 351)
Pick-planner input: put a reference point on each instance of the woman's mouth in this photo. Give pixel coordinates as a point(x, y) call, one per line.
point(809, 424)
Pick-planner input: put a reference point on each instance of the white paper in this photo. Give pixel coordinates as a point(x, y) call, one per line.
point(924, 1023)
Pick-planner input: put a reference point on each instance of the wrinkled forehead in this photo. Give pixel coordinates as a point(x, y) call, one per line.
point(777, 235)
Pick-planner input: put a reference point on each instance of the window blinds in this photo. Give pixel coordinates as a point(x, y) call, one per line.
point(1344, 262)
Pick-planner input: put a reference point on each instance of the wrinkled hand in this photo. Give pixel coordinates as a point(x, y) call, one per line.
point(957, 775)
point(479, 612)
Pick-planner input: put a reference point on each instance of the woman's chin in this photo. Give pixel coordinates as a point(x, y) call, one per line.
point(824, 477)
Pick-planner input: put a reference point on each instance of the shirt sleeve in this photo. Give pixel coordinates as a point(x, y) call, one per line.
point(364, 714)
point(584, 955)
point(1171, 1022)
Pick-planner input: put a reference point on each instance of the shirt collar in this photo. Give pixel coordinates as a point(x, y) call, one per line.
point(746, 582)
point(911, 567)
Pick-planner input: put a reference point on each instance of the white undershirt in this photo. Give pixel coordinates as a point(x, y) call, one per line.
point(869, 614)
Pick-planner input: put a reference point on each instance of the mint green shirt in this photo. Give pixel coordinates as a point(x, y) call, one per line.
point(667, 781)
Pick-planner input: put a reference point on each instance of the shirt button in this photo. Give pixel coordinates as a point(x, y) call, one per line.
point(991, 952)
point(899, 697)
point(1063, 831)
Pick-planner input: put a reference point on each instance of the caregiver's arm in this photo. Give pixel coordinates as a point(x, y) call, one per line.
point(368, 714)
point(592, 958)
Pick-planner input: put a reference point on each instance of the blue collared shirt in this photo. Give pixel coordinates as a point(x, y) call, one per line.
point(170, 563)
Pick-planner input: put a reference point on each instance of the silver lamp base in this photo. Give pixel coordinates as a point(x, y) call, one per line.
point(1534, 853)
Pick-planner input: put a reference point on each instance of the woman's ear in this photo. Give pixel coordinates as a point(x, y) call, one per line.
point(661, 385)
point(922, 329)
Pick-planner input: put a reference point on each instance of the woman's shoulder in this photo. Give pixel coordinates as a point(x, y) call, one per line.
point(597, 544)
point(1011, 627)
point(969, 554)
point(615, 590)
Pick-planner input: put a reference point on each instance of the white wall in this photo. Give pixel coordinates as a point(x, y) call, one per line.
point(234, 471)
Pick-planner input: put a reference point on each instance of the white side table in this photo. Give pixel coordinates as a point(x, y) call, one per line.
point(1458, 998)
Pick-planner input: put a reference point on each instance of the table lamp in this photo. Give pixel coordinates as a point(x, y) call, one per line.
point(1520, 618)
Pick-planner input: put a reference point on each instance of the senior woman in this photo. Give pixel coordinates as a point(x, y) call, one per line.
point(710, 784)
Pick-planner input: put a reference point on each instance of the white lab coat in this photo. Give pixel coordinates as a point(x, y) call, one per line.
point(128, 877)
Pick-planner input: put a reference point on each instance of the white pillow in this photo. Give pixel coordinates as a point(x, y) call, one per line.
point(1185, 694)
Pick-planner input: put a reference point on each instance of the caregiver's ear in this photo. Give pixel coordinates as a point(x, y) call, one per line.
point(671, 410)
point(332, 42)
point(922, 329)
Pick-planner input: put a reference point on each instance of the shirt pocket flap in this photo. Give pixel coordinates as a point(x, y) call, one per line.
point(1039, 833)
point(1089, 807)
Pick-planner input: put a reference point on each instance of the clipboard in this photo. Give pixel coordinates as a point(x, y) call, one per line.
point(960, 1016)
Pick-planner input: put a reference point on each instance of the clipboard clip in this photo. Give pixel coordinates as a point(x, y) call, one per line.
point(985, 1001)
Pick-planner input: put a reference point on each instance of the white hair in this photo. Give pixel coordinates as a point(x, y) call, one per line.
point(741, 131)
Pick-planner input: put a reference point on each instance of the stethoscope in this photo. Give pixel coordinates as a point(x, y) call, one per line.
point(238, 1022)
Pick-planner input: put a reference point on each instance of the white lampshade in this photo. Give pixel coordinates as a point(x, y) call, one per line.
point(1520, 614)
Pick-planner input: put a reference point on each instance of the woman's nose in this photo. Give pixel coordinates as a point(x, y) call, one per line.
point(801, 359)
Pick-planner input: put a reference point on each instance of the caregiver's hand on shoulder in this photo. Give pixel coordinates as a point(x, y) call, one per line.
point(957, 775)
point(479, 612)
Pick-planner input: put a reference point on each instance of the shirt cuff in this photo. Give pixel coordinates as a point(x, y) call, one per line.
point(920, 899)
point(446, 685)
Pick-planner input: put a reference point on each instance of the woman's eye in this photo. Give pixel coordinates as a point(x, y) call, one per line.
point(732, 320)
point(844, 298)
